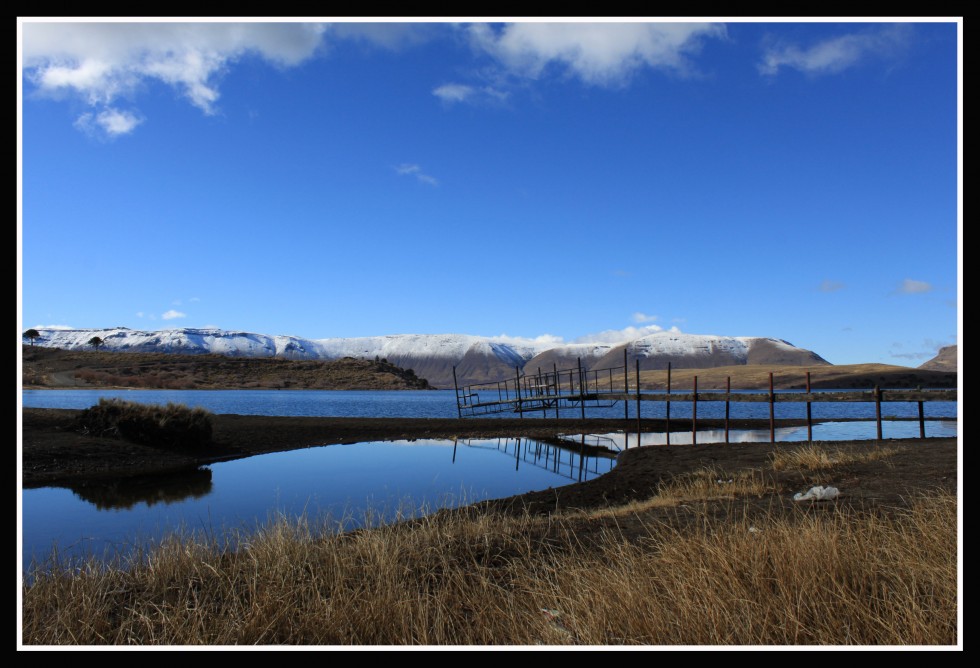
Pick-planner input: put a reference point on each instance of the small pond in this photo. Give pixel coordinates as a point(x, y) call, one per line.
point(344, 483)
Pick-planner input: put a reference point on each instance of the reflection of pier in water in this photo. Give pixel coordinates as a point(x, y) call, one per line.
point(588, 455)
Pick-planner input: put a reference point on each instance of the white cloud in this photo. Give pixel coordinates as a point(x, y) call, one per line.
point(453, 93)
point(194, 299)
point(139, 314)
point(544, 338)
point(838, 53)
point(935, 345)
point(831, 286)
point(932, 347)
point(100, 62)
point(911, 287)
point(596, 53)
point(408, 169)
point(393, 36)
point(615, 336)
point(643, 317)
point(110, 122)
point(914, 356)
point(171, 314)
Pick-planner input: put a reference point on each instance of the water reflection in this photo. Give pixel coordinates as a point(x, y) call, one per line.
point(347, 485)
point(166, 488)
point(575, 459)
point(822, 431)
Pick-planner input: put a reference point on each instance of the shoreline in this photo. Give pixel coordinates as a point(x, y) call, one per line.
point(53, 454)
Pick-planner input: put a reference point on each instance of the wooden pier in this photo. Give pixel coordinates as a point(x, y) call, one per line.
point(578, 389)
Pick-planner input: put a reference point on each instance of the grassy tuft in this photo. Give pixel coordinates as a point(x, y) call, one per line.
point(814, 457)
point(173, 425)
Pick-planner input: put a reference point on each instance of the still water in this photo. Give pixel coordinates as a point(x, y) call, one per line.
point(442, 404)
point(351, 484)
point(344, 484)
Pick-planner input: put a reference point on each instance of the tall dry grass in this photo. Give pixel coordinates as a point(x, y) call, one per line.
point(817, 457)
point(456, 578)
point(150, 424)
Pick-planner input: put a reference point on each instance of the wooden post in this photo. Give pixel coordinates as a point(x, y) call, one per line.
point(581, 388)
point(638, 401)
point(557, 389)
point(459, 411)
point(809, 418)
point(728, 392)
point(772, 412)
point(517, 385)
point(626, 386)
point(668, 400)
point(878, 411)
point(694, 414)
point(922, 422)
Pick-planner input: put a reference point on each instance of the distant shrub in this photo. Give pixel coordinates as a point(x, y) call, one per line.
point(173, 425)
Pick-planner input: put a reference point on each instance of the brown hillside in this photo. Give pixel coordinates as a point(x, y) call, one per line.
point(946, 360)
point(53, 367)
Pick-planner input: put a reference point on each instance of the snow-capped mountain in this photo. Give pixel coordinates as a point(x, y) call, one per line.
point(433, 356)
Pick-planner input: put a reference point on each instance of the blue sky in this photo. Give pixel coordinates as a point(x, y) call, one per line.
point(575, 180)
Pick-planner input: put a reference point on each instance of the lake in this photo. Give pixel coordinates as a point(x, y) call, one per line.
point(351, 483)
point(442, 404)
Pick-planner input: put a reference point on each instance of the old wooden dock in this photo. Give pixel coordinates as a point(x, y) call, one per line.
point(578, 389)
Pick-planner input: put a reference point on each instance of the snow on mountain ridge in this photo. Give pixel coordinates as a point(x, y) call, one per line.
point(436, 356)
point(247, 344)
point(509, 350)
point(676, 343)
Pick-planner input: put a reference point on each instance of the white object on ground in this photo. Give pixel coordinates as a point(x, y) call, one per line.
point(818, 493)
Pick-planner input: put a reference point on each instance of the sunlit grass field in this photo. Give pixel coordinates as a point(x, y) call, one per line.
point(475, 577)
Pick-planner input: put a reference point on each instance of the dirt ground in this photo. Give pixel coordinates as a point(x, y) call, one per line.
point(53, 454)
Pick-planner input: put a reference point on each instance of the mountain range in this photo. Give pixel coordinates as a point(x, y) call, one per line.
point(476, 359)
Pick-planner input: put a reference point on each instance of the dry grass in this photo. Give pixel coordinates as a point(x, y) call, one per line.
point(815, 458)
point(151, 424)
point(710, 484)
point(467, 578)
